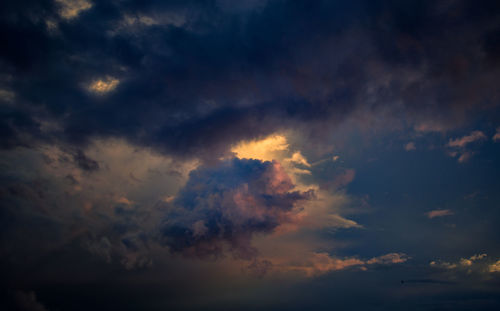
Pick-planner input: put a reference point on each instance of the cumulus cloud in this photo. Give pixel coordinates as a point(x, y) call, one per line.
point(224, 206)
point(439, 213)
point(319, 213)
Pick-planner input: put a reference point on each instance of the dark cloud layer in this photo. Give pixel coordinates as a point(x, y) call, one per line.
point(224, 206)
point(193, 74)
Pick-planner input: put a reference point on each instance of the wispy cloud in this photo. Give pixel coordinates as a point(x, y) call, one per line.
point(439, 213)
point(459, 145)
point(321, 263)
point(465, 140)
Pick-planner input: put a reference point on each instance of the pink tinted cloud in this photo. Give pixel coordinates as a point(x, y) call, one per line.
point(439, 213)
point(388, 259)
point(465, 140)
point(496, 137)
point(410, 146)
point(464, 157)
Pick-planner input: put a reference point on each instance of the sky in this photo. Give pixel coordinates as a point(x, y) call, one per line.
point(249, 155)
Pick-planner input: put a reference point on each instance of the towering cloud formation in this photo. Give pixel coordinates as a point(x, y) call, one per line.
point(225, 205)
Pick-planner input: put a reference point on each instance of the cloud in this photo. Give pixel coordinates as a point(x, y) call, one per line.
point(410, 146)
point(102, 122)
point(102, 86)
point(321, 263)
point(463, 263)
point(462, 142)
point(274, 147)
point(7, 96)
point(106, 198)
point(343, 178)
point(496, 137)
point(192, 79)
point(430, 126)
point(85, 162)
point(388, 259)
point(464, 157)
point(298, 158)
point(72, 8)
point(494, 267)
point(222, 207)
point(266, 149)
point(439, 213)
point(476, 266)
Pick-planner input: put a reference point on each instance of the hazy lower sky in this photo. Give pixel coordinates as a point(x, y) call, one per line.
point(249, 155)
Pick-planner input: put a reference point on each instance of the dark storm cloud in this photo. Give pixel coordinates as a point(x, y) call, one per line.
point(226, 205)
point(195, 76)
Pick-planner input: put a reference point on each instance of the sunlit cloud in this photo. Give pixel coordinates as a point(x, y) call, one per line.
point(462, 263)
point(494, 267)
point(103, 86)
point(298, 158)
point(476, 265)
point(323, 212)
point(267, 149)
point(70, 9)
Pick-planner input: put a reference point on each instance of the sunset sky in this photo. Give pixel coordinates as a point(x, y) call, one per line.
point(249, 155)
